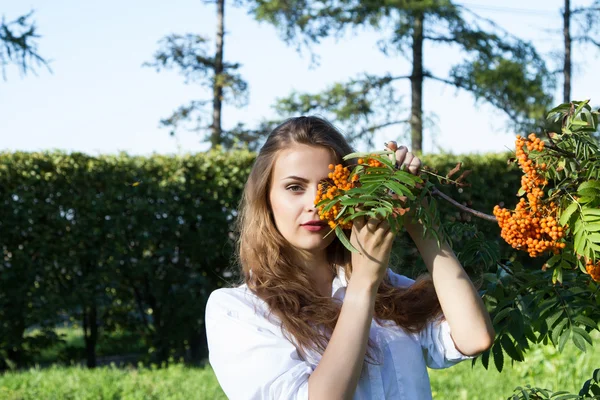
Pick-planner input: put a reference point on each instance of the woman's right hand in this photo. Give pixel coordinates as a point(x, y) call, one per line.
point(373, 239)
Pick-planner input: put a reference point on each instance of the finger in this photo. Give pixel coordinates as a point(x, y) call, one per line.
point(391, 146)
point(359, 222)
point(414, 166)
point(389, 236)
point(401, 155)
point(407, 160)
point(384, 226)
point(372, 224)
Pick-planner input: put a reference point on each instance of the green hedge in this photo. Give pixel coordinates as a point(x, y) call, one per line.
point(138, 243)
point(125, 241)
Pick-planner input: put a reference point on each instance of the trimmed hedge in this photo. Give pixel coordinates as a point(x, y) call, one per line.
point(138, 243)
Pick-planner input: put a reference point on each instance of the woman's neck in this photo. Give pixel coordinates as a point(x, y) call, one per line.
point(321, 272)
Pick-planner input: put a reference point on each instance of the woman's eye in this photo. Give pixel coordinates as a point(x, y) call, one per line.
point(294, 188)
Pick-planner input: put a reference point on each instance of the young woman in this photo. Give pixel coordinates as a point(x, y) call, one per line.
point(313, 320)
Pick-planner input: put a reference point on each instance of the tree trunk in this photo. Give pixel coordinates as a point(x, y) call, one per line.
point(160, 337)
point(567, 64)
point(16, 331)
point(198, 345)
point(215, 138)
point(416, 81)
point(90, 334)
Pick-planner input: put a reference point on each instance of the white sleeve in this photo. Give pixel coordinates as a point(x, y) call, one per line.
point(399, 280)
point(438, 347)
point(248, 353)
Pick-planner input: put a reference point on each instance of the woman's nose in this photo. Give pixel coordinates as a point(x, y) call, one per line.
point(310, 201)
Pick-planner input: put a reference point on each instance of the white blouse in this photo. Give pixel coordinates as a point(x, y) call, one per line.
point(252, 359)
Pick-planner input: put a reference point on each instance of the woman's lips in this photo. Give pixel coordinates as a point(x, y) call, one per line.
point(314, 228)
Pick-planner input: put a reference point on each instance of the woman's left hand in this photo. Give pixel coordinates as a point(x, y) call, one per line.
point(404, 159)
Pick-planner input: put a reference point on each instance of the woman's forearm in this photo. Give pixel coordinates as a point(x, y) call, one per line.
point(338, 372)
point(462, 306)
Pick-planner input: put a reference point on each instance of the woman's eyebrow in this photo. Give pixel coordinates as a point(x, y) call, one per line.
point(296, 178)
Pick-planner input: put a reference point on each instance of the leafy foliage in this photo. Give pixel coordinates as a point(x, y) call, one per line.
point(142, 240)
point(191, 55)
point(590, 390)
point(497, 68)
point(18, 44)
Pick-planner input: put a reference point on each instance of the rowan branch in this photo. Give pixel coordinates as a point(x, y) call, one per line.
point(435, 191)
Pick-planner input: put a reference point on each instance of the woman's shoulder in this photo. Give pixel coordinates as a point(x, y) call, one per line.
point(239, 303)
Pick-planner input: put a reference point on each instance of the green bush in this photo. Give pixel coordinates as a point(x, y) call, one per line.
point(113, 242)
point(136, 244)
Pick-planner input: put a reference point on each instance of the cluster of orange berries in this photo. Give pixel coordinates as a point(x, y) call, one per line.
point(527, 230)
point(371, 162)
point(339, 181)
point(593, 269)
point(532, 226)
point(531, 181)
point(340, 177)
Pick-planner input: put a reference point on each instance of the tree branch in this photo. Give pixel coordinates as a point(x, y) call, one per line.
point(440, 38)
point(586, 39)
point(584, 9)
point(508, 112)
point(376, 127)
point(455, 203)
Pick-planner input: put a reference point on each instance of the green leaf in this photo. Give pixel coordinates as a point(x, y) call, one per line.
point(342, 236)
point(501, 315)
point(399, 189)
point(583, 333)
point(579, 342)
point(586, 321)
point(563, 339)
point(593, 237)
point(550, 263)
point(567, 213)
point(579, 244)
point(586, 199)
point(341, 213)
point(357, 214)
point(591, 211)
point(558, 330)
point(373, 171)
point(407, 178)
point(498, 356)
point(550, 321)
point(485, 359)
point(384, 212)
point(510, 349)
point(355, 155)
point(516, 325)
point(330, 205)
point(557, 274)
point(346, 201)
point(588, 193)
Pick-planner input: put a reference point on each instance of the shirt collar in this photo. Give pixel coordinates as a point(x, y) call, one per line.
point(339, 282)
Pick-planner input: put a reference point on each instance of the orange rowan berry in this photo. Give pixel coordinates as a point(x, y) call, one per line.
point(593, 269)
point(531, 226)
point(339, 183)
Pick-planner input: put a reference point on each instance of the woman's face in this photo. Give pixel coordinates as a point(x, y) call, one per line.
point(296, 174)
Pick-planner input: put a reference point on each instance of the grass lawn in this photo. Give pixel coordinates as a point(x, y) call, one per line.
point(544, 367)
point(73, 347)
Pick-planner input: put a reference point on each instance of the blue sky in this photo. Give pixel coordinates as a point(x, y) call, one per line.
point(99, 99)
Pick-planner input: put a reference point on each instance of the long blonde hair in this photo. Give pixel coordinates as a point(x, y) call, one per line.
point(266, 259)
